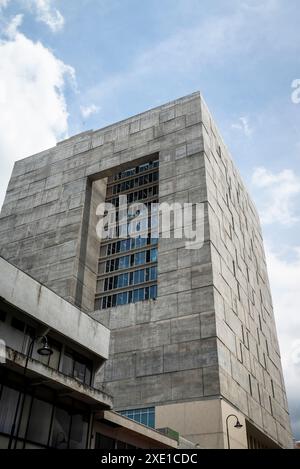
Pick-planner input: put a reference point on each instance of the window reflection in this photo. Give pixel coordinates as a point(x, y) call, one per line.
point(8, 407)
point(39, 422)
point(79, 431)
point(77, 367)
point(61, 427)
point(43, 424)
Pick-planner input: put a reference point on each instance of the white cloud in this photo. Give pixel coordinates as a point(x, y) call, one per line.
point(4, 3)
point(33, 111)
point(44, 11)
point(88, 111)
point(12, 27)
point(243, 125)
point(278, 195)
point(47, 13)
point(296, 93)
point(260, 6)
point(285, 284)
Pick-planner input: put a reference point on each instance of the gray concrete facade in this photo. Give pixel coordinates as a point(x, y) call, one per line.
point(211, 332)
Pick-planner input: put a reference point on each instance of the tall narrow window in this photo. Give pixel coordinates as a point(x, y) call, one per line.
point(127, 263)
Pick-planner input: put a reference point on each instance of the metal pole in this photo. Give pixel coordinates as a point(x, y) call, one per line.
point(227, 429)
point(29, 351)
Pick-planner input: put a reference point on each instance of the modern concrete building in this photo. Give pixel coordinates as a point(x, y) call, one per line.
point(193, 335)
point(48, 392)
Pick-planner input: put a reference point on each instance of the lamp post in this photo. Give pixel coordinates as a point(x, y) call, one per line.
point(237, 425)
point(44, 351)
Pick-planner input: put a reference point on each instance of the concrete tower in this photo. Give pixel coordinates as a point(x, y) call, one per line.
point(193, 335)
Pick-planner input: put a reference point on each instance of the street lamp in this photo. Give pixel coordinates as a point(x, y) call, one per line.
point(237, 425)
point(45, 351)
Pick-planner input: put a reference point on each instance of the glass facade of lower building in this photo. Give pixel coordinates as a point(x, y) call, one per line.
point(38, 418)
point(106, 442)
point(144, 416)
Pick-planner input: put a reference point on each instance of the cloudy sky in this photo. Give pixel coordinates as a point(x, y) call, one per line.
point(68, 66)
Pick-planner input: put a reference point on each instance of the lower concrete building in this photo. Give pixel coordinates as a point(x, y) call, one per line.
point(50, 352)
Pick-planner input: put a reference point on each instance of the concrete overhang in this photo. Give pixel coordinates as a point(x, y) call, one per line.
point(37, 301)
point(124, 424)
point(39, 374)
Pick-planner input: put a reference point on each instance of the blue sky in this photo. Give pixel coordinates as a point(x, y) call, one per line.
point(94, 62)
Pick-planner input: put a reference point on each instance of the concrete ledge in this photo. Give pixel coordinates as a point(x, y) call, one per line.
point(139, 429)
point(37, 301)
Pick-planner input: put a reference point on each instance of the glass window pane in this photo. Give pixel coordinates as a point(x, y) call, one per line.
point(140, 258)
point(79, 371)
point(68, 365)
point(151, 421)
point(154, 255)
point(104, 442)
point(39, 422)
point(33, 446)
point(78, 436)
point(153, 292)
point(119, 281)
point(88, 375)
point(130, 297)
point(136, 277)
point(135, 296)
point(145, 416)
point(141, 294)
point(61, 426)
point(54, 358)
point(8, 407)
point(25, 417)
point(123, 262)
point(144, 419)
point(121, 445)
point(125, 280)
point(131, 278)
point(4, 442)
point(145, 240)
point(153, 273)
point(119, 299)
